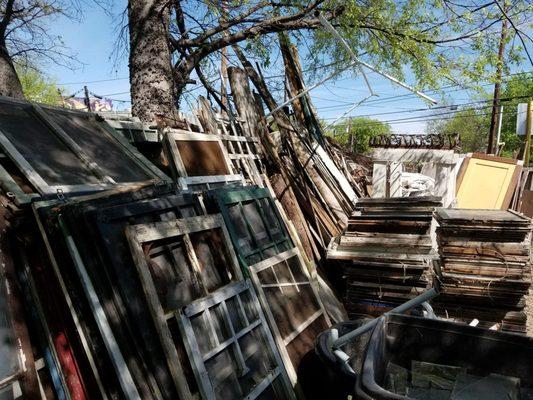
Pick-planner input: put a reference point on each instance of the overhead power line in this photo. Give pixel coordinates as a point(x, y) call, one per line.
point(96, 81)
point(435, 119)
point(424, 118)
point(402, 96)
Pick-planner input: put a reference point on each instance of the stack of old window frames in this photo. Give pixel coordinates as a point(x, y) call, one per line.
point(114, 312)
point(105, 297)
point(47, 152)
point(51, 151)
point(177, 257)
point(267, 254)
point(92, 263)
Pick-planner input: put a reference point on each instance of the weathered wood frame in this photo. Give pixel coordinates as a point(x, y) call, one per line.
point(18, 333)
point(198, 359)
point(123, 373)
point(142, 233)
point(237, 196)
point(243, 157)
point(284, 342)
point(178, 168)
point(41, 185)
point(74, 314)
point(239, 148)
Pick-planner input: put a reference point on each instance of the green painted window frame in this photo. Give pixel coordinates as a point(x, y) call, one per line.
point(226, 198)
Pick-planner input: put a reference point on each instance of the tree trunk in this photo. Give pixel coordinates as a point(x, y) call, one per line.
point(153, 93)
point(9, 81)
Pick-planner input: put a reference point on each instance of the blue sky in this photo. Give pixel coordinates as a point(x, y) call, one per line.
point(93, 38)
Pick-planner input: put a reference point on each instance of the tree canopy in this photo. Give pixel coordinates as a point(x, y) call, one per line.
point(473, 123)
point(37, 87)
point(436, 41)
point(354, 134)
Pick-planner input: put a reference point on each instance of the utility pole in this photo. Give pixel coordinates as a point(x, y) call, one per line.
point(529, 125)
point(498, 136)
point(492, 146)
point(87, 100)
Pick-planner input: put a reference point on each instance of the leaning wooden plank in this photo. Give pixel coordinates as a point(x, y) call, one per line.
point(338, 175)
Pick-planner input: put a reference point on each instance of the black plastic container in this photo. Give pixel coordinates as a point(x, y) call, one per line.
point(401, 339)
point(334, 380)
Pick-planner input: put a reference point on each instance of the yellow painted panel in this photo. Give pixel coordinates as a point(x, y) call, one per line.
point(485, 184)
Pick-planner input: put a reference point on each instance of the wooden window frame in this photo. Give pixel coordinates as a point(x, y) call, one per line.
point(40, 211)
point(178, 168)
point(39, 183)
point(20, 369)
point(121, 207)
point(284, 342)
point(142, 233)
point(229, 197)
point(198, 359)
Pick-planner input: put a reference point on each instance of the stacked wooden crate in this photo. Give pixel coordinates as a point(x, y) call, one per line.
point(485, 270)
point(386, 252)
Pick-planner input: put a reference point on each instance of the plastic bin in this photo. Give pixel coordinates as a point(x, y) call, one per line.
point(402, 340)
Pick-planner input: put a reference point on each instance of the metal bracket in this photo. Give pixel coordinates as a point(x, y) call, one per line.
point(60, 195)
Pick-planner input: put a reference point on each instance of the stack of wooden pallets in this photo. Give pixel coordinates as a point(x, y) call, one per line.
point(485, 269)
point(386, 252)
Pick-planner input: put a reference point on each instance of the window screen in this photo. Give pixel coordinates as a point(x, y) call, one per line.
point(99, 146)
point(202, 158)
point(41, 148)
